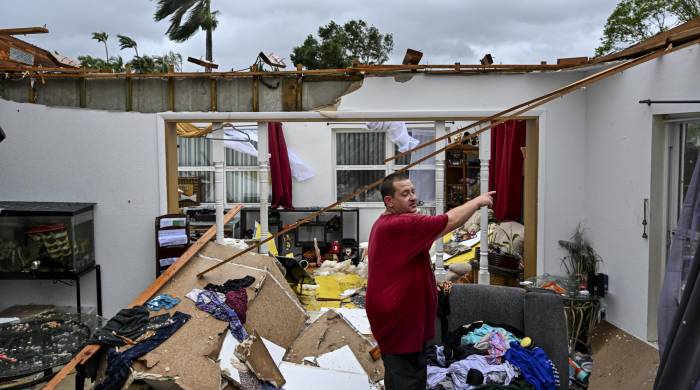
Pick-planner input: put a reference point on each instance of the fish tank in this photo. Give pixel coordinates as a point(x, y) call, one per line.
point(46, 237)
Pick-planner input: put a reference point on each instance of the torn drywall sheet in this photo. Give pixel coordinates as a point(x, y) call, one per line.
point(330, 332)
point(300, 377)
point(340, 360)
point(249, 259)
point(255, 355)
point(356, 317)
point(226, 354)
point(272, 313)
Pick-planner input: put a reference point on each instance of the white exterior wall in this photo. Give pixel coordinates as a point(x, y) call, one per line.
point(71, 155)
point(618, 173)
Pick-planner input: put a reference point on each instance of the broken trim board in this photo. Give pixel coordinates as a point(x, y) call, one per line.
point(255, 355)
point(329, 332)
point(300, 377)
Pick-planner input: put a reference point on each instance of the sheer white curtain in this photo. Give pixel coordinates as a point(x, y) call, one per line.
point(424, 179)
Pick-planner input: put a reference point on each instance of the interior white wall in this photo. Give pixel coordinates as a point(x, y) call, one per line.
point(72, 155)
point(618, 173)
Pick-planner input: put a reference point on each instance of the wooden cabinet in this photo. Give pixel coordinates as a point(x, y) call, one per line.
point(461, 175)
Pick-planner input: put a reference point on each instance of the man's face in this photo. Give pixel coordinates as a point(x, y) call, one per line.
point(404, 199)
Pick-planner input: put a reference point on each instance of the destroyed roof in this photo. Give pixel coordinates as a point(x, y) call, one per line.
point(676, 36)
point(18, 55)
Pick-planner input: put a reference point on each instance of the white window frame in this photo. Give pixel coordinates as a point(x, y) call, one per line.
point(388, 168)
point(227, 168)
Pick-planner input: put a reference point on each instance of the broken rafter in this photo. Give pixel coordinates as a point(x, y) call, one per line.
point(87, 352)
point(24, 30)
point(519, 109)
point(21, 71)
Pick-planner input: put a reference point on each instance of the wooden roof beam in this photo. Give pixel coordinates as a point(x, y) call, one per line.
point(23, 30)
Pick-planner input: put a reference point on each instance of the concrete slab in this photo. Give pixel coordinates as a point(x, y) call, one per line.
point(234, 94)
point(59, 92)
point(106, 94)
point(192, 94)
point(150, 95)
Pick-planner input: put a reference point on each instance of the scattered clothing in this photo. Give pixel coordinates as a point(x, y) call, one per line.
point(460, 370)
point(196, 291)
point(127, 323)
point(162, 301)
point(495, 343)
point(238, 301)
point(478, 334)
point(209, 302)
point(443, 356)
point(231, 285)
point(119, 364)
point(555, 373)
point(534, 365)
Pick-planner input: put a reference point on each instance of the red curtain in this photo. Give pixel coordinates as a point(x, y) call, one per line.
point(280, 173)
point(506, 169)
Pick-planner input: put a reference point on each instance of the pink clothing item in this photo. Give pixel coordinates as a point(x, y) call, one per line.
point(238, 301)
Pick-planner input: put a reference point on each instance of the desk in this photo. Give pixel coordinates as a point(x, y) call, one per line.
point(61, 277)
point(581, 317)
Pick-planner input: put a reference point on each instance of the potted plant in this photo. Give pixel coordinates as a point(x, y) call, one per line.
point(502, 250)
point(582, 260)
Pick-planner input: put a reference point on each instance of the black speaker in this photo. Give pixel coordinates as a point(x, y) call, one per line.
point(2, 135)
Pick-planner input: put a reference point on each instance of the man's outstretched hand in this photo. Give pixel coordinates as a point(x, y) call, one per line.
point(485, 199)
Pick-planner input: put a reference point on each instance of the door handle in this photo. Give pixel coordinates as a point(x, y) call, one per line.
point(644, 219)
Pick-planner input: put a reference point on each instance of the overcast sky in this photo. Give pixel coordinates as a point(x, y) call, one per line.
point(446, 31)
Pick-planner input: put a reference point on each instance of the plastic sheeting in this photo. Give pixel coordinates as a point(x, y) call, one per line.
point(398, 134)
point(300, 170)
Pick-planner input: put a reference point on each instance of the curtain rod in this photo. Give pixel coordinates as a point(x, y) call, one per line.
point(649, 102)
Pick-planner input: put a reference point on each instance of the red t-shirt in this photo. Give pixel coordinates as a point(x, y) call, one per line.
point(401, 301)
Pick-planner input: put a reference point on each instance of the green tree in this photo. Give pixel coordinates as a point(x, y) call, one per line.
point(127, 43)
point(338, 46)
point(635, 20)
point(156, 64)
point(115, 64)
point(199, 16)
point(102, 37)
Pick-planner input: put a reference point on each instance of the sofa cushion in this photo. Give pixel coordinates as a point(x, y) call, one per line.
point(493, 304)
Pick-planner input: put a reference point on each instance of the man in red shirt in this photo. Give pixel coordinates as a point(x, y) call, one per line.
point(401, 299)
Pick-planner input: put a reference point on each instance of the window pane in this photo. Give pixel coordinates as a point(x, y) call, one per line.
point(235, 158)
point(424, 181)
point(242, 187)
point(359, 148)
point(423, 136)
point(350, 181)
point(207, 181)
point(193, 152)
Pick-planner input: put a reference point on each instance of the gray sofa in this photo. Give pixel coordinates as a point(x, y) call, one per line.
point(540, 315)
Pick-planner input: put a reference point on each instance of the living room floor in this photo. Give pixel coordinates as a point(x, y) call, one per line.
point(621, 361)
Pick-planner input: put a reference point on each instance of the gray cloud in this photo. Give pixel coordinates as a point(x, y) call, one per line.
point(447, 31)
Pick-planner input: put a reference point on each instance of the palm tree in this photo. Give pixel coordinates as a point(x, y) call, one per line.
point(199, 16)
point(127, 43)
point(102, 37)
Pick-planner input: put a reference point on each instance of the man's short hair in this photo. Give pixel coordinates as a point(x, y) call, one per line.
point(387, 187)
